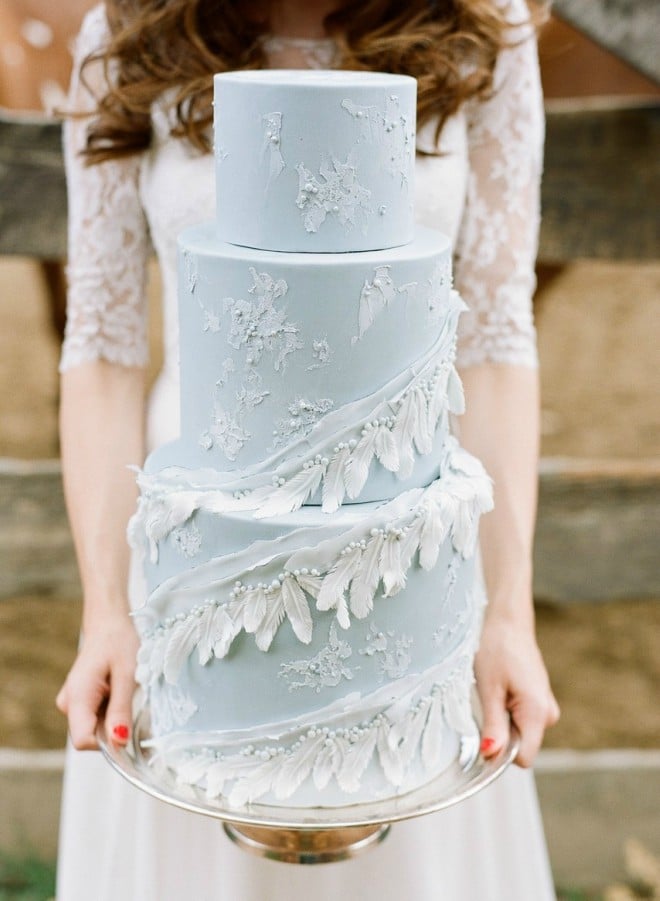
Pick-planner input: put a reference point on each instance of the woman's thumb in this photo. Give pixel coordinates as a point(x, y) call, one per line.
point(119, 713)
point(495, 723)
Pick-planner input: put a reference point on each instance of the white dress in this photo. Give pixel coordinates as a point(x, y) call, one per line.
point(117, 843)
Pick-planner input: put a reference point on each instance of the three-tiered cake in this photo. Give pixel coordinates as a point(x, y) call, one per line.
point(313, 603)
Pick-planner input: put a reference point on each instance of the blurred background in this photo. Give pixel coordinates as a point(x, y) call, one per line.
point(597, 575)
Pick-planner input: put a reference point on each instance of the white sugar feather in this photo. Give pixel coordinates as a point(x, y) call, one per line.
point(158, 518)
point(183, 638)
point(456, 706)
point(423, 435)
point(206, 634)
point(356, 760)
point(255, 607)
point(398, 730)
point(390, 759)
point(143, 674)
point(293, 494)
point(416, 725)
point(216, 776)
point(296, 767)
point(434, 531)
point(334, 486)
point(405, 426)
point(410, 541)
point(437, 404)
point(386, 449)
point(357, 468)
point(365, 582)
point(297, 609)
point(271, 622)
point(455, 394)
point(432, 740)
point(484, 495)
point(191, 771)
point(225, 629)
point(236, 608)
point(157, 658)
point(399, 709)
point(326, 765)
point(309, 583)
point(460, 488)
point(225, 770)
point(464, 529)
point(337, 580)
point(254, 784)
point(394, 578)
point(343, 617)
point(448, 506)
point(463, 461)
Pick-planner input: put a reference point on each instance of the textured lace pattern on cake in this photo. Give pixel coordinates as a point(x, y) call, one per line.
point(494, 267)
point(326, 668)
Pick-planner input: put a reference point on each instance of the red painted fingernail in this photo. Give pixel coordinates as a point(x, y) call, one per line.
point(487, 744)
point(120, 732)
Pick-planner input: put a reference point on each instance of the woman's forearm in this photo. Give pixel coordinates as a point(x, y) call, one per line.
point(501, 428)
point(101, 425)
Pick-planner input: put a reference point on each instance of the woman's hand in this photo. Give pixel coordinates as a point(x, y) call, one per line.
point(513, 687)
point(103, 672)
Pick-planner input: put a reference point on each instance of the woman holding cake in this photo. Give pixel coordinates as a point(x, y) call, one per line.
point(143, 171)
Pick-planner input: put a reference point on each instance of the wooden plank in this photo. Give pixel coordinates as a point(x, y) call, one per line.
point(598, 530)
point(593, 802)
point(628, 28)
point(597, 537)
point(572, 66)
point(601, 182)
point(32, 187)
point(36, 550)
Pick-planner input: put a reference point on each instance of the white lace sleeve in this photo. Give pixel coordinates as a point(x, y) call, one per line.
point(108, 236)
point(498, 238)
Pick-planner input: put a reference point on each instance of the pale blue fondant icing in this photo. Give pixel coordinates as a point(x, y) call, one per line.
point(315, 161)
point(409, 613)
point(287, 300)
point(311, 313)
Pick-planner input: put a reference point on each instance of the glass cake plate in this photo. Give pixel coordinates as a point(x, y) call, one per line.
point(305, 835)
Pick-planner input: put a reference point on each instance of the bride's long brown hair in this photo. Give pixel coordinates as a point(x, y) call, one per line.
point(163, 44)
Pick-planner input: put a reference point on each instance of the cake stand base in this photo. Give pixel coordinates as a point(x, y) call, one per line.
point(308, 846)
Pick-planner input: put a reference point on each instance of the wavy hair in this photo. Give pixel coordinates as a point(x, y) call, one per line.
point(449, 46)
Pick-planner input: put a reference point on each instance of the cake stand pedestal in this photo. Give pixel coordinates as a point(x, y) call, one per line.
point(305, 835)
point(306, 845)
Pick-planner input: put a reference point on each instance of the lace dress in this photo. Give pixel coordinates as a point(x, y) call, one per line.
point(483, 192)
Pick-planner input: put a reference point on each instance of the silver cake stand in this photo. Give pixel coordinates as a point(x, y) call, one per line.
point(305, 835)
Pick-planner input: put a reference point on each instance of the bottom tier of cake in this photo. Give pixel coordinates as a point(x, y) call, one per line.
point(328, 660)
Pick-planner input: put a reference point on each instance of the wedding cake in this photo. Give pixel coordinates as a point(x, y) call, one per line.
point(313, 602)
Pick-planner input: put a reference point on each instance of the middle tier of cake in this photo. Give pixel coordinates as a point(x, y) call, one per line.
point(272, 344)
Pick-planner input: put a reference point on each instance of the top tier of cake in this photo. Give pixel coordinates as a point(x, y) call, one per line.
point(299, 175)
